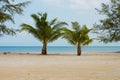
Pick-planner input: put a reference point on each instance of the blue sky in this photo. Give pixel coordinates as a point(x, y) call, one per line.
point(82, 11)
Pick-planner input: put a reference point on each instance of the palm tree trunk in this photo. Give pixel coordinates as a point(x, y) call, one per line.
point(44, 49)
point(78, 49)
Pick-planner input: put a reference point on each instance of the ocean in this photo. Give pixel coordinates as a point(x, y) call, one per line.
point(59, 49)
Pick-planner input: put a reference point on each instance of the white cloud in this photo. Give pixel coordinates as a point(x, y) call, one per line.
point(75, 4)
point(53, 2)
point(78, 4)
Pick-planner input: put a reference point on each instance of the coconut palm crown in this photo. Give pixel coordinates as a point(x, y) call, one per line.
point(78, 36)
point(44, 31)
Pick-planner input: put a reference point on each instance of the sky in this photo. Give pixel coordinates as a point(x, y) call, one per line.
point(82, 11)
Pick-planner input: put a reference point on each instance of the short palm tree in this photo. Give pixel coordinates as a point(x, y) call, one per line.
point(78, 36)
point(44, 31)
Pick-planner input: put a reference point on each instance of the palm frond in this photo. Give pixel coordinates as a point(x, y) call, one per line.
point(52, 22)
point(59, 25)
point(43, 17)
point(40, 14)
point(85, 30)
point(69, 35)
point(32, 30)
point(35, 17)
point(76, 27)
point(38, 23)
point(55, 35)
point(87, 42)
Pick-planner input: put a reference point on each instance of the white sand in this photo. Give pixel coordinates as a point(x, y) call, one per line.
point(60, 67)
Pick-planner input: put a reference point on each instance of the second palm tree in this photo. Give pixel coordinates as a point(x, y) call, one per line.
point(78, 36)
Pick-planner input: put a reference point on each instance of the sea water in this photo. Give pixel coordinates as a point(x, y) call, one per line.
point(60, 49)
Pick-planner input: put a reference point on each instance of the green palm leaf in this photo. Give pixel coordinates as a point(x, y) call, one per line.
point(32, 30)
point(52, 22)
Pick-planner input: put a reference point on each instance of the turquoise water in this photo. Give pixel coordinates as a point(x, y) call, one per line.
point(59, 49)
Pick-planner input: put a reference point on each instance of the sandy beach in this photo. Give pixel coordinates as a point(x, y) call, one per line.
point(96, 66)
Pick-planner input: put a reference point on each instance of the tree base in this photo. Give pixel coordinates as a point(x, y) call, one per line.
point(44, 52)
point(78, 54)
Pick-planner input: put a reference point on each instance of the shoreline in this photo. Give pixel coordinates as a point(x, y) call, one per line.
point(59, 49)
point(61, 54)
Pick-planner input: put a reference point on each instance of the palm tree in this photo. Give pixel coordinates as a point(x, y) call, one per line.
point(78, 36)
point(44, 31)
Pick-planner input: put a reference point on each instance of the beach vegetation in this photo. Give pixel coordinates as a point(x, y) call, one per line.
point(8, 8)
point(78, 36)
point(108, 29)
point(45, 31)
